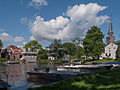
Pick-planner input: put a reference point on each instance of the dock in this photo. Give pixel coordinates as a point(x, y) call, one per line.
point(84, 68)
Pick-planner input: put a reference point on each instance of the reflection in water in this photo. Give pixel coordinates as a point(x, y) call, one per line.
point(16, 74)
point(17, 77)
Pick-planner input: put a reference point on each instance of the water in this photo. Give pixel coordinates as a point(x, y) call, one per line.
point(17, 76)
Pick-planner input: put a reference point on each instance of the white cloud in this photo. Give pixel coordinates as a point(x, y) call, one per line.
point(38, 3)
point(5, 37)
point(19, 39)
point(78, 20)
point(24, 43)
point(24, 20)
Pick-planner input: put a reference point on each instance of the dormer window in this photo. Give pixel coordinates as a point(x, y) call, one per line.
point(15, 50)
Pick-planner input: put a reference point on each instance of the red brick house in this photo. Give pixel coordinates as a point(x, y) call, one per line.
point(12, 52)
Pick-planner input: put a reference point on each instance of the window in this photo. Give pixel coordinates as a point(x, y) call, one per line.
point(106, 54)
point(109, 54)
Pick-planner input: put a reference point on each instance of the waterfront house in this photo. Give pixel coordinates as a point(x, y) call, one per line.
point(12, 52)
point(110, 51)
point(29, 57)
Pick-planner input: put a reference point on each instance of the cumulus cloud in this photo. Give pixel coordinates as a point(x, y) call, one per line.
point(77, 20)
point(19, 39)
point(5, 37)
point(38, 3)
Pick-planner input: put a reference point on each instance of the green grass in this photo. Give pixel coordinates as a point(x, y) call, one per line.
point(100, 61)
point(106, 80)
point(2, 60)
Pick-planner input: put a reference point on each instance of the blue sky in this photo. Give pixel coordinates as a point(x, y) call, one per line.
point(45, 20)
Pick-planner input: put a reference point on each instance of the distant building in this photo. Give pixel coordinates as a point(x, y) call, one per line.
point(110, 46)
point(29, 57)
point(110, 38)
point(110, 51)
point(12, 52)
point(51, 58)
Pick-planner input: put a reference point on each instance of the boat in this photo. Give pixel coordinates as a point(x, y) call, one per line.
point(13, 62)
point(84, 68)
point(52, 75)
point(4, 85)
point(115, 64)
point(63, 72)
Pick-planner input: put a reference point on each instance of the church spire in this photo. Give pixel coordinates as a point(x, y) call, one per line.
point(110, 38)
point(110, 32)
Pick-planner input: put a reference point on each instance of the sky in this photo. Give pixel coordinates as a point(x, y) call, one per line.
point(46, 20)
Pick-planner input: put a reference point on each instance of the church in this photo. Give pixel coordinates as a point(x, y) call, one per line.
point(110, 46)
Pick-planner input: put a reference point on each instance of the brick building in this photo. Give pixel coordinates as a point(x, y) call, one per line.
point(12, 52)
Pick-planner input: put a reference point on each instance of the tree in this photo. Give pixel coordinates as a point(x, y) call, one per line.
point(42, 54)
point(93, 44)
point(56, 49)
point(33, 46)
point(1, 45)
point(118, 52)
point(77, 41)
point(70, 48)
point(117, 42)
point(80, 51)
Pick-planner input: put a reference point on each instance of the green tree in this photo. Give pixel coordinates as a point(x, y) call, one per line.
point(1, 45)
point(77, 41)
point(56, 49)
point(80, 51)
point(93, 44)
point(118, 52)
point(70, 48)
point(117, 42)
point(33, 46)
point(42, 54)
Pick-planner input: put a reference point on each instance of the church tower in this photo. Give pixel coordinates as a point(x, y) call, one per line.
point(110, 38)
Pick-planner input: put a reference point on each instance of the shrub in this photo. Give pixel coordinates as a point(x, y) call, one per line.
point(3, 60)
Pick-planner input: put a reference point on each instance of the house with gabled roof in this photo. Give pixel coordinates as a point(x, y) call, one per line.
point(12, 52)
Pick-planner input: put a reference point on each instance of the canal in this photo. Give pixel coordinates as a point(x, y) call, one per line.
point(17, 76)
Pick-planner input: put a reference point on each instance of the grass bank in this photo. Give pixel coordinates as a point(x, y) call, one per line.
point(2, 60)
point(59, 61)
point(101, 81)
point(102, 61)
